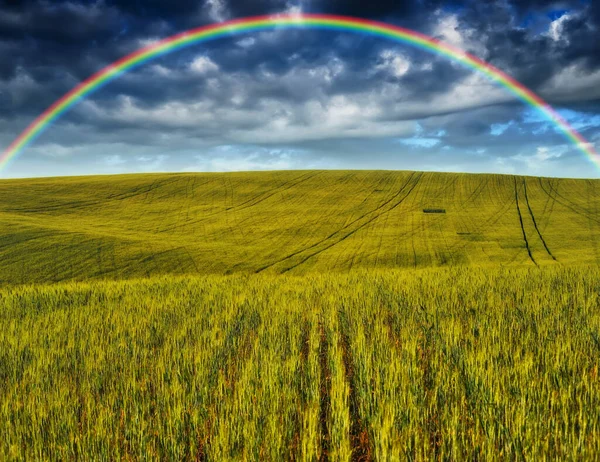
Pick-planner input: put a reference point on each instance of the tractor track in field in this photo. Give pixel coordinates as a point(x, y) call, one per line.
point(535, 223)
point(480, 187)
point(414, 208)
point(466, 220)
point(24, 240)
point(340, 230)
point(361, 242)
point(324, 398)
point(549, 200)
point(475, 393)
point(381, 236)
point(554, 186)
point(377, 215)
point(412, 238)
point(359, 434)
point(490, 221)
point(559, 198)
point(292, 241)
point(594, 208)
point(258, 200)
point(271, 192)
point(77, 205)
point(522, 225)
point(229, 358)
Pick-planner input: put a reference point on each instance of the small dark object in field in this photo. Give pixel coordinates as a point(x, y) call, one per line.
point(434, 210)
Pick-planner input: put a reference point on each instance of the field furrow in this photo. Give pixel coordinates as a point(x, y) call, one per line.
point(289, 222)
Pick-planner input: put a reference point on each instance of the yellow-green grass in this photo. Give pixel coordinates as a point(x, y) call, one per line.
point(296, 222)
point(214, 317)
point(447, 364)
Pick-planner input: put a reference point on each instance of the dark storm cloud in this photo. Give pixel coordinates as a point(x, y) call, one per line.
point(395, 10)
point(78, 38)
point(242, 8)
point(295, 86)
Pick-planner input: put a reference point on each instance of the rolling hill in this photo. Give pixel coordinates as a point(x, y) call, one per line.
point(251, 339)
point(126, 226)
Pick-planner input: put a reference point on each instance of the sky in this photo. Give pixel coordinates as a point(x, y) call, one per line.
point(300, 99)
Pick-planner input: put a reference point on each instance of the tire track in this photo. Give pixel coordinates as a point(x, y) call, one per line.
point(551, 200)
point(410, 234)
point(555, 186)
point(237, 208)
point(333, 234)
point(273, 191)
point(548, 201)
point(412, 238)
point(359, 434)
point(534, 222)
point(229, 358)
point(414, 208)
point(592, 186)
point(76, 205)
point(567, 203)
point(350, 233)
point(521, 222)
point(477, 395)
point(490, 221)
point(361, 242)
point(324, 399)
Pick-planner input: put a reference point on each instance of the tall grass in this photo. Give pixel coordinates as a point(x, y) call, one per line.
point(456, 364)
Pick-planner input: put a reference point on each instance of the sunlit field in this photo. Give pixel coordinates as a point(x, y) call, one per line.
point(291, 222)
point(451, 364)
point(300, 316)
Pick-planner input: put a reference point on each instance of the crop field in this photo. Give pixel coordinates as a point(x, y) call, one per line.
point(449, 364)
point(292, 222)
point(300, 315)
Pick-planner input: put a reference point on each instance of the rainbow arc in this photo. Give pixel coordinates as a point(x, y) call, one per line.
point(317, 21)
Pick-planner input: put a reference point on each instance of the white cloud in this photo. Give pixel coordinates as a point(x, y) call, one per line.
point(203, 65)
point(20, 87)
point(229, 158)
point(216, 10)
point(421, 142)
point(160, 70)
point(394, 62)
point(294, 10)
point(472, 92)
point(537, 163)
point(556, 28)
point(573, 83)
point(148, 41)
point(450, 31)
point(385, 110)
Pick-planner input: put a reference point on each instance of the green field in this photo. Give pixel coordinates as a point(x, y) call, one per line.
point(300, 315)
point(290, 222)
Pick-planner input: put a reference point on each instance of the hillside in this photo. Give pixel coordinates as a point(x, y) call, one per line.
point(290, 222)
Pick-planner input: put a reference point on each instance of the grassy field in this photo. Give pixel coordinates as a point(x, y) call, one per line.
point(290, 222)
point(449, 364)
point(314, 316)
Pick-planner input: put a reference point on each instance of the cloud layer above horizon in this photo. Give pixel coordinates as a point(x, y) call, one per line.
point(300, 99)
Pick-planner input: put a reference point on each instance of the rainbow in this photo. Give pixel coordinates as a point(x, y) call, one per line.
point(319, 21)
